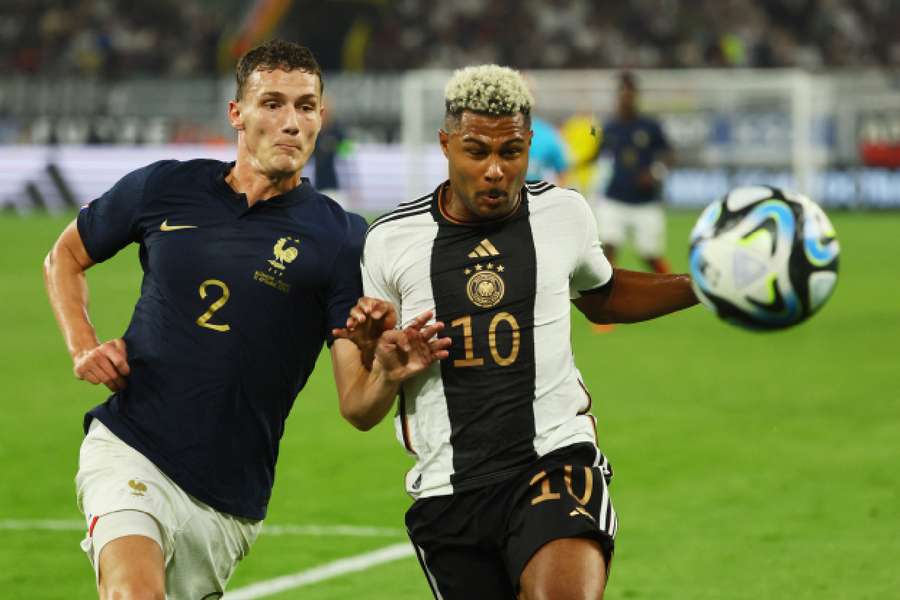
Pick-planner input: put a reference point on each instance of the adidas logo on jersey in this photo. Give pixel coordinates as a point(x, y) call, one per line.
point(483, 249)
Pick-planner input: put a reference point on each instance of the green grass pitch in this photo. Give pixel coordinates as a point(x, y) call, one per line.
point(747, 465)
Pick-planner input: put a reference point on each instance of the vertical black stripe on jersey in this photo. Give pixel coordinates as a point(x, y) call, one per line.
point(490, 406)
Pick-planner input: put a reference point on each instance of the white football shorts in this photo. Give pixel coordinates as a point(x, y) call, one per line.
point(646, 223)
point(118, 487)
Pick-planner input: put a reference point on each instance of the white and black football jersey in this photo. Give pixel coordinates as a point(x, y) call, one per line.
point(509, 392)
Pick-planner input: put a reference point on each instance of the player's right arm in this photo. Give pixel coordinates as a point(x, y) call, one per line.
point(102, 228)
point(66, 283)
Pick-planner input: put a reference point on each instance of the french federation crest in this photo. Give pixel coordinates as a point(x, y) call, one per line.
point(284, 255)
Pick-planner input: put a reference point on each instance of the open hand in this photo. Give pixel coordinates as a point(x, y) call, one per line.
point(367, 321)
point(403, 353)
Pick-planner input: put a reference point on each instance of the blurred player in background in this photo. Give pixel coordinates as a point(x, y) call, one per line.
point(547, 160)
point(331, 145)
point(579, 134)
point(632, 202)
point(511, 490)
point(247, 268)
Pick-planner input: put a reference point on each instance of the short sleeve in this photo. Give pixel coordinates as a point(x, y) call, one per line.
point(593, 270)
point(376, 281)
point(346, 286)
point(109, 223)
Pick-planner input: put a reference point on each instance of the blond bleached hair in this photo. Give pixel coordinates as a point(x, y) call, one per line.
point(489, 90)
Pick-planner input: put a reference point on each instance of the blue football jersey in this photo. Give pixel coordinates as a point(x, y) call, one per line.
point(547, 156)
point(634, 145)
point(235, 305)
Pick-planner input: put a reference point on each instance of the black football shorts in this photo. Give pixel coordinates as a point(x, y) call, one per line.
point(475, 544)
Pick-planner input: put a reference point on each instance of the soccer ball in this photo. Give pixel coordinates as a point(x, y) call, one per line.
point(763, 258)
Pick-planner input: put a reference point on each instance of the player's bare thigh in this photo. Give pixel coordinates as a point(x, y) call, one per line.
point(565, 569)
point(133, 568)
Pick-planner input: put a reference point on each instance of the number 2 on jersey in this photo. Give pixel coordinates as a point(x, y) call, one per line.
point(203, 320)
point(468, 347)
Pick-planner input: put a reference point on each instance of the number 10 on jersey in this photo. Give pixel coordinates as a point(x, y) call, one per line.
point(470, 359)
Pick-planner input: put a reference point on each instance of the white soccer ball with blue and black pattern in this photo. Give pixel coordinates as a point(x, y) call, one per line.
point(763, 258)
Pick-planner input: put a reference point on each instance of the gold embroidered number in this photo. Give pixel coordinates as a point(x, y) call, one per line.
point(203, 320)
point(547, 494)
point(504, 317)
point(468, 347)
point(469, 360)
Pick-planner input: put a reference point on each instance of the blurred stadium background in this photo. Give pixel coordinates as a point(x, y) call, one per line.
point(747, 466)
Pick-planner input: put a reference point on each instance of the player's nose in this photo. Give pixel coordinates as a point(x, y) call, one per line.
point(291, 125)
point(493, 172)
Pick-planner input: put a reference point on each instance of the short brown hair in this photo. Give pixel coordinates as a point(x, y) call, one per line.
point(276, 54)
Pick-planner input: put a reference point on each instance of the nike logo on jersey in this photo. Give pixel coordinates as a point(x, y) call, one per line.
point(483, 249)
point(164, 226)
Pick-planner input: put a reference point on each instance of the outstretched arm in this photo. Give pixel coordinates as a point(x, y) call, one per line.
point(634, 296)
point(66, 284)
point(368, 319)
point(366, 395)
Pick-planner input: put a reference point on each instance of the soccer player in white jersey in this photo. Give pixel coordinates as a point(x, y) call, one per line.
point(510, 488)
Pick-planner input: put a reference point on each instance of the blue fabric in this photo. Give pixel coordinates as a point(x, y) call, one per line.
point(547, 156)
point(634, 145)
point(208, 406)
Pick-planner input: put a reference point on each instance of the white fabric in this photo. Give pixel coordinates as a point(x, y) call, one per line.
point(397, 266)
point(115, 525)
point(645, 222)
point(201, 546)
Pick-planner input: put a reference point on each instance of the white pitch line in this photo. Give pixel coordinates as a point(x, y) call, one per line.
point(332, 530)
point(273, 530)
point(42, 525)
point(352, 564)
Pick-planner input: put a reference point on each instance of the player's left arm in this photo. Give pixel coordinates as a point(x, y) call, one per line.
point(607, 295)
point(632, 296)
point(365, 395)
point(370, 357)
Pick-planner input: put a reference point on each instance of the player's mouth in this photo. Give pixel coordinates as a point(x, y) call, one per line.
point(493, 196)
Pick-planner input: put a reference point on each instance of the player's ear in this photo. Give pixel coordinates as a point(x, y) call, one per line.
point(234, 115)
point(444, 138)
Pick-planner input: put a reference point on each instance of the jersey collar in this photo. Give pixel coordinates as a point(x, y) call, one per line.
point(441, 216)
point(294, 196)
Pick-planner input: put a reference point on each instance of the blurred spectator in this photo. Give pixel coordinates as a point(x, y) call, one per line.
point(119, 38)
point(109, 38)
point(532, 34)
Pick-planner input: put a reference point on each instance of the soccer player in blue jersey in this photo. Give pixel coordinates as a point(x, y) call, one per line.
point(247, 269)
point(641, 155)
point(547, 160)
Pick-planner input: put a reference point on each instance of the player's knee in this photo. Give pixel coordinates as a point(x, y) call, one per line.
point(135, 589)
point(562, 590)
